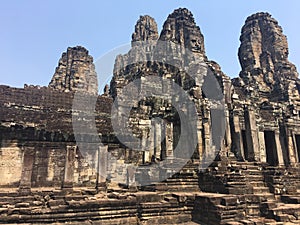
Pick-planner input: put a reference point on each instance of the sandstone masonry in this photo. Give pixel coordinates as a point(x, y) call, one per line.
point(50, 173)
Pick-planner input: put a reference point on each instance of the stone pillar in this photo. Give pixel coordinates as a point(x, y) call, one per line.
point(164, 140)
point(207, 137)
point(151, 142)
point(238, 136)
point(69, 168)
point(262, 147)
point(145, 149)
point(102, 166)
point(292, 148)
point(251, 135)
point(279, 149)
point(227, 129)
point(131, 180)
point(169, 139)
point(28, 160)
point(157, 143)
point(199, 139)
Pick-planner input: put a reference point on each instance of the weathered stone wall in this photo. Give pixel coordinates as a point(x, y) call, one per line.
point(41, 118)
point(49, 110)
point(11, 163)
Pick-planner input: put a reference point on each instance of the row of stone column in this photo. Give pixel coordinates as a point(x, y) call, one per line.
point(68, 179)
point(160, 142)
point(256, 143)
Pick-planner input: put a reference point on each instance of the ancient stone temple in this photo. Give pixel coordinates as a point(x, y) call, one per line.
point(173, 140)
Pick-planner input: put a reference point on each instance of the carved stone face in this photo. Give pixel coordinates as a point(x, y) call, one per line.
point(194, 43)
point(168, 32)
point(152, 34)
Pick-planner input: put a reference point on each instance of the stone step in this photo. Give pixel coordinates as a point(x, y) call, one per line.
point(66, 216)
point(192, 180)
point(170, 199)
point(284, 218)
point(258, 184)
point(261, 190)
point(253, 173)
point(170, 187)
point(286, 212)
point(177, 188)
point(235, 183)
point(253, 210)
point(238, 190)
point(185, 175)
point(266, 208)
point(144, 196)
point(290, 199)
point(180, 184)
point(255, 178)
point(260, 197)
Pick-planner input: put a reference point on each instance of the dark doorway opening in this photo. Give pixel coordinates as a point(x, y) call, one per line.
point(297, 136)
point(272, 157)
point(245, 146)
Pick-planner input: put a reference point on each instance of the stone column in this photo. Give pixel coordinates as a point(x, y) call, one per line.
point(145, 149)
point(238, 136)
point(279, 149)
point(251, 135)
point(227, 129)
point(262, 147)
point(169, 139)
point(131, 180)
point(292, 148)
point(207, 137)
point(28, 160)
point(157, 143)
point(102, 166)
point(199, 139)
point(164, 140)
point(151, 142)
point(69, 168)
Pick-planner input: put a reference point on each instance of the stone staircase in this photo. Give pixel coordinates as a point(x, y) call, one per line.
point(80, 207)
point(212, 208)
point(175, 208)
point(263, 202)
point(286, 213)
point(248, 197)
point(270, 195)
point(224, 177)
point(185, 180)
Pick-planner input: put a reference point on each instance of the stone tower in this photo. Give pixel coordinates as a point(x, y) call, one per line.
point(266, 94)
point(75, 72)
point(171, 58)
point(263, 53)
point(145, 29)
point(180, 28)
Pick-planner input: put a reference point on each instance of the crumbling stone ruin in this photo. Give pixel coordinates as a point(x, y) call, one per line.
point(233, 158)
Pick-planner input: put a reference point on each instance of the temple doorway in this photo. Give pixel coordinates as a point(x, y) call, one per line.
point(245, 146)
point(270, 143)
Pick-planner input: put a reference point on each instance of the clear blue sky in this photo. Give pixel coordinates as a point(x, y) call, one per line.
point(34, 33)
